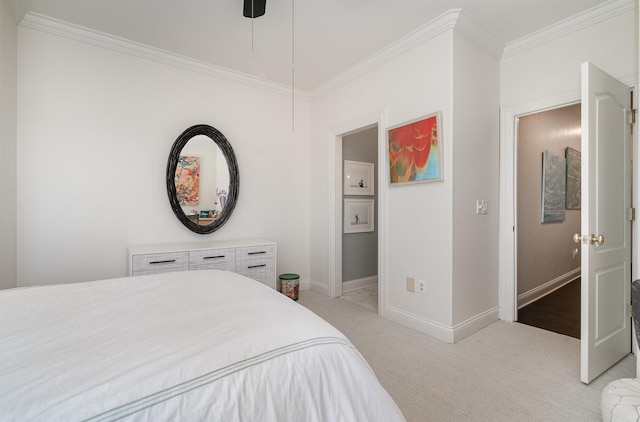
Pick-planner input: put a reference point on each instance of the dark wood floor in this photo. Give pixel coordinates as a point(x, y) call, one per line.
point(558, 311)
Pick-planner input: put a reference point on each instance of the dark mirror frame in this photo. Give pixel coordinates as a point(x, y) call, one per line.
point(234, 177)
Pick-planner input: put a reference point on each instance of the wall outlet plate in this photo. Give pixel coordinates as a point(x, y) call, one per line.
point(421, 286)
point(411, 284)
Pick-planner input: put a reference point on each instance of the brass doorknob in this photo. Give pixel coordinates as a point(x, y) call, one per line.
point(577, 238)
point(599, 239)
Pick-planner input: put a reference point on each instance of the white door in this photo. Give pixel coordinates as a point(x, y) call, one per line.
point(606, 237)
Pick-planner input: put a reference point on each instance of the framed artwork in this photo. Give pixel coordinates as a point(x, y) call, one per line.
point(358, 178)
point(358, 215)
point(187, 180)
point(553, 187)
point(415, 150)
point(573, 189)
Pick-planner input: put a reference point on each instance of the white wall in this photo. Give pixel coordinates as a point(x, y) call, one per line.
point(95, 127)
point(418, 215)
point(8, 204)
point(548, 75)
point(475, 177)
point(553, 69)
point(433, 233)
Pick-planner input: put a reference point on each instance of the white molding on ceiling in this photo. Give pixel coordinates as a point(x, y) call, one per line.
point(567, 26)
point(452, 19)
point(469, 28)
point(83, 34)
point(424, 33)
point(18, 9)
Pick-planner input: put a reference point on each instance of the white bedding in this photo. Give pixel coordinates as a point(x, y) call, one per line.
point(185, 346)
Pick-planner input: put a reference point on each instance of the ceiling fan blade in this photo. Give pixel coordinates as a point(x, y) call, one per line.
point(258, 6)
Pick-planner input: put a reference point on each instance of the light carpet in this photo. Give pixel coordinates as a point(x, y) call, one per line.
point(505, 372)
point(366, 296)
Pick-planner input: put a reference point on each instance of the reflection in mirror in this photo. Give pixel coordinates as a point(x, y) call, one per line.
point(202, 178)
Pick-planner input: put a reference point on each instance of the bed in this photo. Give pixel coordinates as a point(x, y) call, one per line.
point(200, 345)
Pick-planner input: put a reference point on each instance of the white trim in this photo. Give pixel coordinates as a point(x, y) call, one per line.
point(440, 331)
point(470, 29)
point(426, 32)
point(475, 324)
point(335, 203)
point(101, 39)
point(507, 230)
point(567, 26)
point(18, 9)
point(321, 288)
point(550, 286)
point(360, 283)
point(432, 328)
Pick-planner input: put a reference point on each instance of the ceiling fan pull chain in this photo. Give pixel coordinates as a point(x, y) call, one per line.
point(293, 66)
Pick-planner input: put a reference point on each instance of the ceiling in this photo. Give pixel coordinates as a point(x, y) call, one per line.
point(330, 36)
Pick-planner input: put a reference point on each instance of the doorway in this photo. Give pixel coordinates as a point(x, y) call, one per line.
point(359, 237)
point(548, 214)
point(335, 284)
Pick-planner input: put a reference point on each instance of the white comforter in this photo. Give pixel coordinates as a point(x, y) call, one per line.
point(187, 346)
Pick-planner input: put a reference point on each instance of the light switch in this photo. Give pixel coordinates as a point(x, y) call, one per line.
point(482, 206)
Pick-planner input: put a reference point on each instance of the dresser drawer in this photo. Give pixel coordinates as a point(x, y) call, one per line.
point(255, 252)
point(219, 259)
point(261, 269)
point(159, 263)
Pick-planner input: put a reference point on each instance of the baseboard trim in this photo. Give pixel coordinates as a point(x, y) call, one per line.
point(432, 328)
point(534, 294)
point(475, 324)
point(319, 287)
point(441, 331)
point(360, 283)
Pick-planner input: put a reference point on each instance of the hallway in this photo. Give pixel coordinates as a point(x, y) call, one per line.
point(558, 311)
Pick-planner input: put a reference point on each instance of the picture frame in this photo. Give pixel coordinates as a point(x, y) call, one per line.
point(415, 150)
point(187, 180)
point(358, 178)
point(358, 215)
point(573, 195)
point(553, 188)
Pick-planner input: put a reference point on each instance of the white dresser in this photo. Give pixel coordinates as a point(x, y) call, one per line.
point(255, 258)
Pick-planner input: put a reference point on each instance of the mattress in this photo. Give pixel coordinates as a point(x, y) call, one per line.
point(189, 346)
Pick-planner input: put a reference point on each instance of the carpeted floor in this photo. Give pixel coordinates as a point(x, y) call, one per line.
point(505, 372)
point(366, 297)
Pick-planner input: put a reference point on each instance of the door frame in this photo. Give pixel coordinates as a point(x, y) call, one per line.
point(335, 203)
point(507, 230)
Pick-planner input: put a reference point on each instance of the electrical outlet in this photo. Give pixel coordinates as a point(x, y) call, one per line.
point(421, 287)
point(411, 284)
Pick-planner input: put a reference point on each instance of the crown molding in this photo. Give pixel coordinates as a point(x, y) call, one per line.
point(469, 28)
point(430, 30)
point(452, 19)
point(567, 26)
point(79, 33)
point(18, 9)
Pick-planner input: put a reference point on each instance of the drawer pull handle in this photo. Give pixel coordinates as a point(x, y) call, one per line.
point(257, 266)
point(168, 261)
point(256, 253)
point(213, 257)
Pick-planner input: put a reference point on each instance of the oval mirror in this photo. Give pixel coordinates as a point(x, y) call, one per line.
point(202, 179)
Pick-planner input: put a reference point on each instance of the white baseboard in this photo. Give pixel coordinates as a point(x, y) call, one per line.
point(432, 328)
point(440, 331)
point(319, 287)
point(534, 294)
point(475, 324)
point(360, 283)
